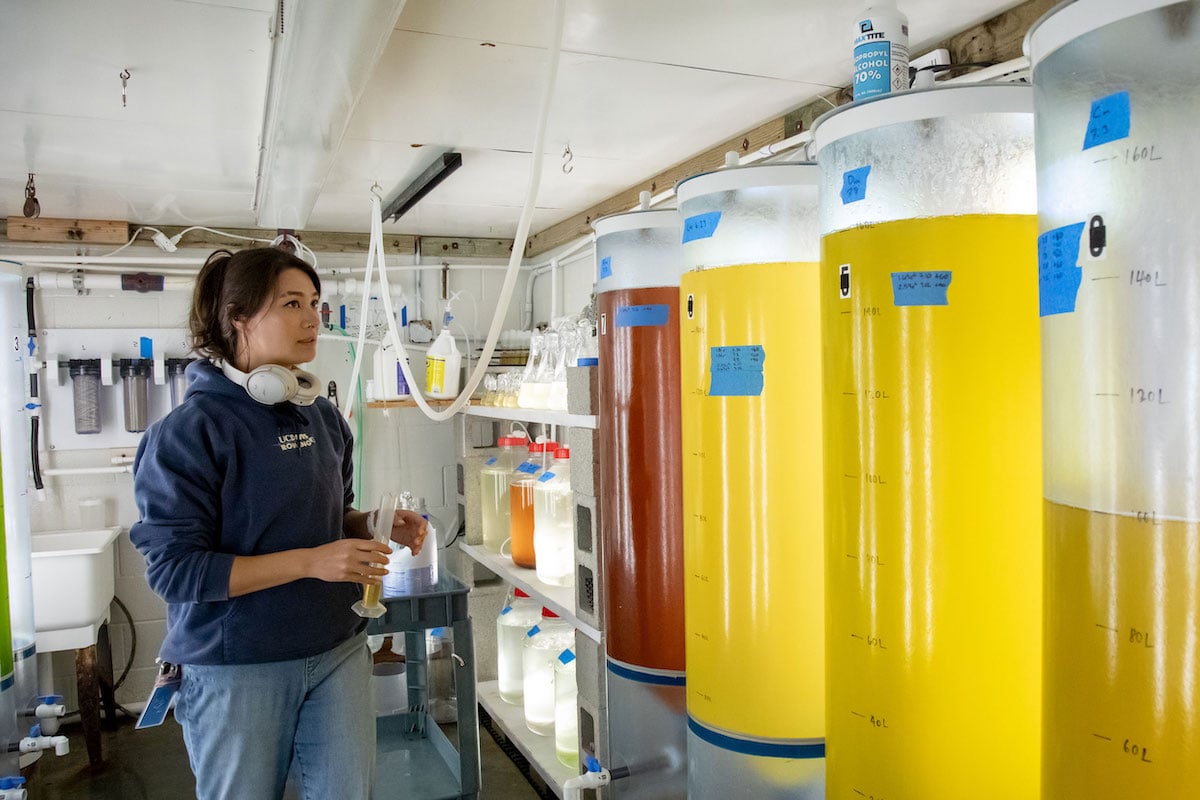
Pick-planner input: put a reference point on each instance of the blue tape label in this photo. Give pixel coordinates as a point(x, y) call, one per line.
point(1109, 120)
point(736, 371)
point(854, 184)
point(534, 631)
point(606, 267)
point(528, 468)
point(146, 345)
point(505, 610)
point(490, 461)
point(642, 316)
point(921, 288)
point(700, 226)
point(566, 656)
point(546, 476)
point(1059, 273)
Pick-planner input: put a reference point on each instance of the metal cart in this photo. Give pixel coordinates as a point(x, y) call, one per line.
point(414, 758)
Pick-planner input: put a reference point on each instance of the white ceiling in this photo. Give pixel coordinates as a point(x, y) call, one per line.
point(642, 85)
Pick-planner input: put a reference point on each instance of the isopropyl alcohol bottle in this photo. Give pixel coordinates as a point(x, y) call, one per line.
point(880, 50)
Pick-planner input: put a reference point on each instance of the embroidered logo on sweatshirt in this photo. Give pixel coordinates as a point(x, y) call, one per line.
point(295, 441)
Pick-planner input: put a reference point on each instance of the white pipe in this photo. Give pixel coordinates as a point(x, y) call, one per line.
point(514, 264)
point(66, 280)
point(573, 787)
point(34, 260)
point(35, 744)
point(539, 271)
point(87, 470)
point(554, 289)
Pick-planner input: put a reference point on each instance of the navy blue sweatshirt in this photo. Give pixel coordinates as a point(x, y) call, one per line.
point(222, 476)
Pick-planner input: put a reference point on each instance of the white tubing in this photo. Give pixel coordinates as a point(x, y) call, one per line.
point(514, 263)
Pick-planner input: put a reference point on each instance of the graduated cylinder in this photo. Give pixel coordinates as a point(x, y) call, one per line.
point(752, 513)
point(640, 494)
point(932, 445)
point(1119, 266)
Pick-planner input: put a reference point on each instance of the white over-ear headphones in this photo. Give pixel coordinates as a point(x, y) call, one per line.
point(271, 384)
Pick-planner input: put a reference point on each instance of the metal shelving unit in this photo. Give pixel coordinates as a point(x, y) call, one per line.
point(538, 750)
point(559, 599)
point(543, 416)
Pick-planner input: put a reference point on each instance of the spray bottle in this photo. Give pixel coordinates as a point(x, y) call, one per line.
point(880, 50)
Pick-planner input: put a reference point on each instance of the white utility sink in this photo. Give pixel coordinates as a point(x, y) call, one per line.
point(73, 580)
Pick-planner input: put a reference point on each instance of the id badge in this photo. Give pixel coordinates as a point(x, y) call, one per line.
point(162, 696)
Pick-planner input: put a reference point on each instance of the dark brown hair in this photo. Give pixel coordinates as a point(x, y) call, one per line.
point(234, 286)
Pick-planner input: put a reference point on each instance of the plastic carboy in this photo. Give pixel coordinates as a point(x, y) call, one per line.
point(520, 613)
point(408, 573)
point(520, 496)
point(553, 518)
point(493, 483)
point(543, 643)
point(566, 709)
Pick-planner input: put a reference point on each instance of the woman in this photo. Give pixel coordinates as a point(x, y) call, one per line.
point(244, 493)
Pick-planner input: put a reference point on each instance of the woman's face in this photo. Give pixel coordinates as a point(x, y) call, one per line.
point(284, 330)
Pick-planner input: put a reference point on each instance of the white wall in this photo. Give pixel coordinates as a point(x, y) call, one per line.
point(402, 450)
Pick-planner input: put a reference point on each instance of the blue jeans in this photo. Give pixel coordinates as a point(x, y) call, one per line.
point(244, 724)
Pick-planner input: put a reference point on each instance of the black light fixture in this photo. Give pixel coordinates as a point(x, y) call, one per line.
point(424, 183)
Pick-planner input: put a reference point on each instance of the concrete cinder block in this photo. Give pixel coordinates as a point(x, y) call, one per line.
point(582, 385)
point(585, 460)
point(590, 677)
point(589, 578)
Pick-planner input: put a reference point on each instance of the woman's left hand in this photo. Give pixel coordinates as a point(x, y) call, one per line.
point(409, 529)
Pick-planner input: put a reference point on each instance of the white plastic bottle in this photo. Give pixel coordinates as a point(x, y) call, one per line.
point(493, 482)
point(520, 613)
point(553, 522)
point(442, 365)
point(543, 643)
point(390, 383)
point(880, 50)
point(409, 574)
point(566, 710)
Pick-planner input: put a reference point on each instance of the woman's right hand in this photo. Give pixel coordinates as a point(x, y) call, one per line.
point(349, 561)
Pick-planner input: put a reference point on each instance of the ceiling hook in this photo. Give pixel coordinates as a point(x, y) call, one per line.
point(32, 207)
point(568, 157)
point(375, 189)
point(124, 76)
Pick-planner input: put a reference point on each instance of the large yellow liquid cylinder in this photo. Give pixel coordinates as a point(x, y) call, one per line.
point(932, 449)
point(753, 529)
point(1117, 88)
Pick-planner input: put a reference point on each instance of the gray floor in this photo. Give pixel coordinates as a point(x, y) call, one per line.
point(152, 765)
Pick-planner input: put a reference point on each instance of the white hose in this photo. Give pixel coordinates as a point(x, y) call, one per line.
point(514, 262)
